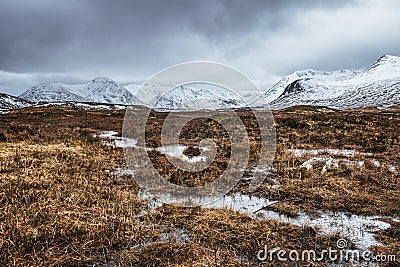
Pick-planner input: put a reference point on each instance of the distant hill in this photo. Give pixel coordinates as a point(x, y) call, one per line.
point(98, 90)
point(377, 85)
point(12, 102)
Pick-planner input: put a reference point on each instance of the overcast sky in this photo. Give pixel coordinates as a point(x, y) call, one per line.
point(77, 40)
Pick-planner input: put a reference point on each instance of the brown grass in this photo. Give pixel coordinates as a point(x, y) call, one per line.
point(61, 204)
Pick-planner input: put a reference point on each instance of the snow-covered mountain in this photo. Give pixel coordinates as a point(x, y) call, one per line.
point(377, 85)
point(185, 97)
point(132, 88)
point(275, 91)
point(99, 90)
point(12, 102)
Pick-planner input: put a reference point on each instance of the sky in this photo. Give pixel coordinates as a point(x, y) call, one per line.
point(74, 41)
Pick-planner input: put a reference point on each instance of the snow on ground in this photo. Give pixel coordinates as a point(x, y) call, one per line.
point(82, 105)
point(326, 163)
point(330, 151)
point(392, 169)
point(322, 157)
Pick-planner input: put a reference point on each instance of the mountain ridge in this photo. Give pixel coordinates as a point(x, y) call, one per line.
point(378, 84)
point(12, 102)
point(98, 90)
point(338, 92)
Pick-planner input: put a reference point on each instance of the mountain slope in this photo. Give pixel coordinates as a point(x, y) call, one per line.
point(12, 102)
point(275, 91)
point(184, 97)
point(50, 92)
point(377, 85)
point(99, 90)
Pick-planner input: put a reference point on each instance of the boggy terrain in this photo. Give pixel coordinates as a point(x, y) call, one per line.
point(65, 201)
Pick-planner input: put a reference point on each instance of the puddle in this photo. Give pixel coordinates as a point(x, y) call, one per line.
point(117, 141)
point(120, 172)
point(241, 203)
point(177, 151)
point(359, 229)
point(170, 150)
point(178, 235)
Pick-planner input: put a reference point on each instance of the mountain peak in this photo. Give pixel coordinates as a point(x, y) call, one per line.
point(388, 64)
point(386, 56)
point(102, 79)
point(98, 90)
point(377, 85)
point(389, 59)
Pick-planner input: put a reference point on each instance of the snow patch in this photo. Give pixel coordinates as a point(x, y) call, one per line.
point(330, 151)
point(392, 169)
point(376, 163)
point(327, 163)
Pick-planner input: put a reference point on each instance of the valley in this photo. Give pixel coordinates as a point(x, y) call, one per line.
point(68, 199)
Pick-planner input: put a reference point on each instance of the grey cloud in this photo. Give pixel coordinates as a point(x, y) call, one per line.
point(49, 35)
point(235, 16)
point(130, 40)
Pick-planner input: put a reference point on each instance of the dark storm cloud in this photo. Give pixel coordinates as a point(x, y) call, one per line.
point(130, 40)
point(60, 35)
point(232, 17)
point(34, 31)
